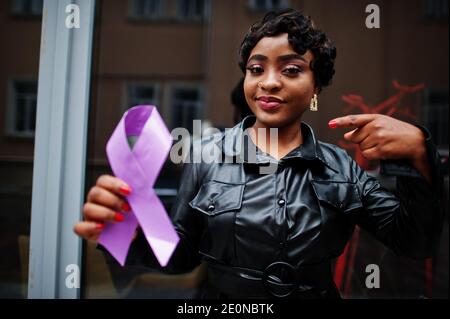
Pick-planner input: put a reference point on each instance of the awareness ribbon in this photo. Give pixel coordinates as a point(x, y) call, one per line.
point(139, 167)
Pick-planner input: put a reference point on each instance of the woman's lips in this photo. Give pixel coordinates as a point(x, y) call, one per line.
point(268, 103)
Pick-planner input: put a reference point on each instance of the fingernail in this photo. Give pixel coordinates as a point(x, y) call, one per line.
point(125, 190)
point(118, 217)
point(332, 124)
point(125, 207)
point(99, 226)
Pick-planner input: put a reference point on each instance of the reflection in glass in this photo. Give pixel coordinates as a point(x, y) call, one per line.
point(182, 55)
point(20, 19)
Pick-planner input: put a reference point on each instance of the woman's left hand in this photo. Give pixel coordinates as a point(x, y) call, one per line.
point(382, 137)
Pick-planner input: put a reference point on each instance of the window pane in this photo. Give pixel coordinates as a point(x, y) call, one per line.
point(185, 7)
point(19, 118)
point(436, 9)
point(191, 9)
point(186, 107)
point(188, 70)
point(435, 111)
point(147, 9)
point(37, 6)
point(26, 7)
point(23, 109)
point(143, 64)
point(19, 61)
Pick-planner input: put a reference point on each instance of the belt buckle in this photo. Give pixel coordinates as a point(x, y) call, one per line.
point(273, 268)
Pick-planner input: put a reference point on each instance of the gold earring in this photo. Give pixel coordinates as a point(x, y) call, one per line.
point(313, 104)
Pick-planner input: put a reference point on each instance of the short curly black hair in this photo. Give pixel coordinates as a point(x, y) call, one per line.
point(302, 35)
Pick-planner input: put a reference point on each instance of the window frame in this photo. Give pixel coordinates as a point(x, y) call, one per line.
point(60, 150)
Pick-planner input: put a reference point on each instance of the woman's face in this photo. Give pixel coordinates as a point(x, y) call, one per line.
point(279, 83)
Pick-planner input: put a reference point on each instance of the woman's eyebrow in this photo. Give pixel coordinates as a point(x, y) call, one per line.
point(257, 57)
point(289, 57)
point(282, 58)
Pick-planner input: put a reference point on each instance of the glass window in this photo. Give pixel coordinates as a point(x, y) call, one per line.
point(147, 9)
point(186, 106)
point(22, 108)
point(191, 9)
point(436, 9)
point(146, 63)
point(19, 64)
point(267, 5)
point(188, 70)
point(27, 7)
point(139, 94)
point(435, 114)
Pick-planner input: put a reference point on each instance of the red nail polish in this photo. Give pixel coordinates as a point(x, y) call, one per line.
point(125, 190)
point(99, 226)
point(332, 124)
point(126, 207)
point(118, 217)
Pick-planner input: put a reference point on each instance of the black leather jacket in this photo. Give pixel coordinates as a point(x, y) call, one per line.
point(232, 216)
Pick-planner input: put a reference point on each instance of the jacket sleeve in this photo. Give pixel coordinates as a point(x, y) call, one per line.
point(409, 222)
point(188, 225)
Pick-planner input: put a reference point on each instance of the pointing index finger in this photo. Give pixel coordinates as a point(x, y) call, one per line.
point(351, 121)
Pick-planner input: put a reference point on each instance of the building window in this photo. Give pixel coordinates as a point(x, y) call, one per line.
point(186, 107)
point(27, 7)
point(267, 5)
point(22, 108)
point(435, 115)
point(436, 9)
point(148, 9)
point(142, 94)
point(192, 10)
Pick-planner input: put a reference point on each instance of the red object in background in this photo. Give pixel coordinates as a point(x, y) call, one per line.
point(390, 107)
point(345, 263)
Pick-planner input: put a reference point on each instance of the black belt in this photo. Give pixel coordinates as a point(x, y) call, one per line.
point(279, 279)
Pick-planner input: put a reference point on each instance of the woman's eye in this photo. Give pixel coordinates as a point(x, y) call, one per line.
point(292, 70)
point(255, 69)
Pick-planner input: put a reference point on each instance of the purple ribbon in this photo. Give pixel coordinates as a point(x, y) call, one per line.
point(139, 167)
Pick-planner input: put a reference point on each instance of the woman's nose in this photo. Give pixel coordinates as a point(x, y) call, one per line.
point(270, 83)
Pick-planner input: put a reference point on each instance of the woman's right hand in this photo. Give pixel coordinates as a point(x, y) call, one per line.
point(105, 204)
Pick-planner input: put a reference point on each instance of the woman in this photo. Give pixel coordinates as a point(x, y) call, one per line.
point(274, 234)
